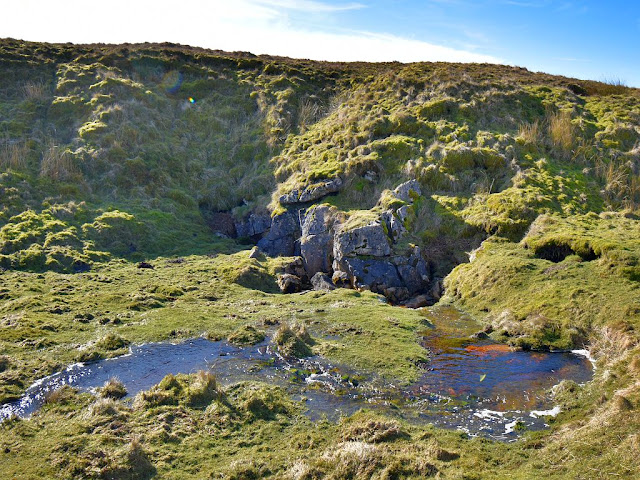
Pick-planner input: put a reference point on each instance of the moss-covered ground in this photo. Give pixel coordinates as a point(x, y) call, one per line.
point(113, 155)
point(50, 320)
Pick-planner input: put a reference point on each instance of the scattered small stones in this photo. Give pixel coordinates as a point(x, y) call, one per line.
point(83, 317)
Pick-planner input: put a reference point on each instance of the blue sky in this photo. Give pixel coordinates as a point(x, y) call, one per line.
point(586, 39)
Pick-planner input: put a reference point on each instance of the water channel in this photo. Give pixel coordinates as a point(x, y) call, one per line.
point(469, 383)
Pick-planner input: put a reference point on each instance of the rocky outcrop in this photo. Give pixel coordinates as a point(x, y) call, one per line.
point(367, 240)
point(413, 270)
point(398, 278)
point(312, 192)
point(407, 191)
point(331, 256)
point(316, 241)
point(281, 238)
point(395, 222)
point(365, 254)
point(296, 267)
point(376, 274)
point(255, 224)
point(289, 283)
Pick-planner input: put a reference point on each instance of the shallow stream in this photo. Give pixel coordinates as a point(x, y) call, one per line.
point(470, 384)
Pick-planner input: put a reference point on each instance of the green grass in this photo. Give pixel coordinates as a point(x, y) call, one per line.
point(104, 163)
point(568, 278)
point(53, 319)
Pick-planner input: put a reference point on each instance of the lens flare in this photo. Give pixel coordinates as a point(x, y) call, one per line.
point(172, 81)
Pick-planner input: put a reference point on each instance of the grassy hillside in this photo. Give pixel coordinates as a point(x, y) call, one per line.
point(111, 155)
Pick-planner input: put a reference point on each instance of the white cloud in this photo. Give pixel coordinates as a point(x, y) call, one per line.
point(310, 5)
point(258, 26)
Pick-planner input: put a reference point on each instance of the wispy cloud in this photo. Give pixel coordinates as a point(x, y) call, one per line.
point(258, 26)
point(310, 6)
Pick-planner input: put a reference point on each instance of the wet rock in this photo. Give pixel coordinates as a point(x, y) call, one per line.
point(281, 240)
point(322, 281)
point(368, 240)
point(316, 242)
point(312, 192)
point(406, 190)
point(289, 283)
point(255, 224)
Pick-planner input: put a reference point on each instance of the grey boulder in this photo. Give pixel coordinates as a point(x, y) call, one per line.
point(322, 281)
point(368, 240)
point(281, 240)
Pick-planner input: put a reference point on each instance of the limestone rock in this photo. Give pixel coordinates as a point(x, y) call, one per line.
point(281, 240)
point(316, 242)
point(368, 240)
point(255, 224)
point(312, 192)
point(413, 270)
point(403, 191)
point(341, 279)
point(322, 281)
point(317, 220)
point(395, 222)
point(373, 273)
point(317, 251)
point(417, 302)
point(296, 267)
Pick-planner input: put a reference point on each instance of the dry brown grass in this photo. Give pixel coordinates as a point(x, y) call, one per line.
point(621, 185)
point(531, 133)
point(34, 90)
point(13, 155)
point(561, 133)
point(57, 163)
point(612, 342)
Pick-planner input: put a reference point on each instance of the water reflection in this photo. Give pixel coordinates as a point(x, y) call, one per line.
point(470, 384)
